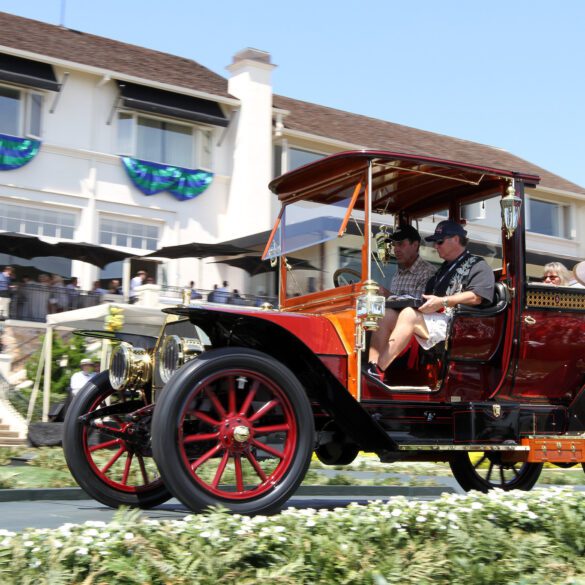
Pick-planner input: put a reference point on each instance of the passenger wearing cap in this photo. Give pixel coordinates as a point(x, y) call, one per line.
point(462, 279)
point(80, 379)
point(409, 280)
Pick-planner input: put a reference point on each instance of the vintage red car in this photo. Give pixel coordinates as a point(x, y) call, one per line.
point(228, 405)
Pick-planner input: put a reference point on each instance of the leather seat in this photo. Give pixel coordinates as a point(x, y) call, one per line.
point(498, 305)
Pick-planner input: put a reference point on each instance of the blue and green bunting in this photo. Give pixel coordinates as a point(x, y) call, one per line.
point(153, 178)
point(16, 152)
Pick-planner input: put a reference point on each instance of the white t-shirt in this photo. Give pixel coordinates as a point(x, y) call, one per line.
point(79, 380)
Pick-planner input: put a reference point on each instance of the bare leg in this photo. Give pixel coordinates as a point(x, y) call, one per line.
point(380, 337)
point(408, 323)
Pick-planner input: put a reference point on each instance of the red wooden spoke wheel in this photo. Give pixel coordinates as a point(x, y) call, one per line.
point(233, 428)
point(106, 440)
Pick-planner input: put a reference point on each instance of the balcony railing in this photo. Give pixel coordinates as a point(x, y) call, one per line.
point(33, 302)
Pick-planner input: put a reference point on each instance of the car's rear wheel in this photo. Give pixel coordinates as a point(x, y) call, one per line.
point(233, 428)
point(336, 449)
point(486, 471)
point(109, 455)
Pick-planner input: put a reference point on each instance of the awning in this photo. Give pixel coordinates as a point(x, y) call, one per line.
point(157, 101)
point(137, 319)
point(29, 73)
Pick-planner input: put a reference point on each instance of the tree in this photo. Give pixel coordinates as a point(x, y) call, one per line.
point(69, 350)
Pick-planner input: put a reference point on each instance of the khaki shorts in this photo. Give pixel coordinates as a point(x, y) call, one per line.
point(436, 324)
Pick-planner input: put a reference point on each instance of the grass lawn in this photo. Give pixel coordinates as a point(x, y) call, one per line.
point(47, 468)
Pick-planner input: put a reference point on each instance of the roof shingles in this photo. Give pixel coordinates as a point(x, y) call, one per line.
point(61, 43)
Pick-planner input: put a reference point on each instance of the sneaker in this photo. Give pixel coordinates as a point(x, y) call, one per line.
point(376, 375)
point(374, 371)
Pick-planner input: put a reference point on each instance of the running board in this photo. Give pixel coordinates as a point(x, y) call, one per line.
point(476, 447)
point(411, 389)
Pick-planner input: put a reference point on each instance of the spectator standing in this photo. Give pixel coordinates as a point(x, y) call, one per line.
point(6, 287)
point(59, 298)
point(81, 378)
point(236, 298)
point(223, 294)
point(212, 296)
point(40, 294)
point(73, 293)
point(194, 293)
point(115, 287)
point(23, 297)
point(137, 281)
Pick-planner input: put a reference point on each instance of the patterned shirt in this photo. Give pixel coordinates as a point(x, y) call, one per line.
point(412, 281)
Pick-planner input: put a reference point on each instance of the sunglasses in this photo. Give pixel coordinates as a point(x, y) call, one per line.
point(441, 242)
point(551, 277)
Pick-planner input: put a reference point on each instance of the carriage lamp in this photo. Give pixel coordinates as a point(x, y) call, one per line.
point(174, 352)
point(129, 366)
point(370, 306)
point(510, 205)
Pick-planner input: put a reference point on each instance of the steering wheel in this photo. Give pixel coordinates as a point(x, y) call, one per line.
point(345, 276)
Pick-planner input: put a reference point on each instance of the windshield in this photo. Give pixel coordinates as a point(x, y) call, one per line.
point(335, 262)
point(307, 223)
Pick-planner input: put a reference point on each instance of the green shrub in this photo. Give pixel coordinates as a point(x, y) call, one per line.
point(521, 538)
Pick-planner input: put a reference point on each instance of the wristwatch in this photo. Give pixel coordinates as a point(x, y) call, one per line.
point(446, 302)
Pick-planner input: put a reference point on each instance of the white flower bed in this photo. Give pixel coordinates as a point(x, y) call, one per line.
point(500, 537)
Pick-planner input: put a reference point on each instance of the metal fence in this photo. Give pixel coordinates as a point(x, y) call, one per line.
point(174, 295)
point(33, 301)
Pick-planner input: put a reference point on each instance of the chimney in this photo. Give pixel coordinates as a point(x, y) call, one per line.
point(249, 208)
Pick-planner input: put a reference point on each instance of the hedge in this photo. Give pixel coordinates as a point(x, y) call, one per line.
point(501, 537)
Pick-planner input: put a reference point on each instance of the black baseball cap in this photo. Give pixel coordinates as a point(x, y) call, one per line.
point(405, 232)
point(446, 229)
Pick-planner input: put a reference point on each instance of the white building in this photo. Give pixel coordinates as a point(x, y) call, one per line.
point(92, 101)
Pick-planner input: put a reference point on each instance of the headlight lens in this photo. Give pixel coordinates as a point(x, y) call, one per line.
point(174, 352)
point(129, 366)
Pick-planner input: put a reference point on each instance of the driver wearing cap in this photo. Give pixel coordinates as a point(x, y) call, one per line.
point(410, 279)
point(462, 279)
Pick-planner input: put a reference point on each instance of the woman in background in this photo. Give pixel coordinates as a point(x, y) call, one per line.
point(557, 274)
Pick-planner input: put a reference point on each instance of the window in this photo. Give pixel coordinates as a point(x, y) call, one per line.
point(164, 141)
point(20, 112)
point(298, 158)
point(37, 222)
point(548, 218)
point(115, 232)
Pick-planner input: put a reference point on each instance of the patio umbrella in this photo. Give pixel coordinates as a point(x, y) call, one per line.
point(254, 265)
point(196, 250)
point(91, 253)
point(24, 246)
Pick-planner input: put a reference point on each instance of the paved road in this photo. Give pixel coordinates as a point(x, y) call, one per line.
point(18, 515)
point(51, 513)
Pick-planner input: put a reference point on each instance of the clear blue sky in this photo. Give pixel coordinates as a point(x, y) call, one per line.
point(507, 73)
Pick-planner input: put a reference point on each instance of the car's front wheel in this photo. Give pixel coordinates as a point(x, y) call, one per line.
point(233, 428)
point(106, 440)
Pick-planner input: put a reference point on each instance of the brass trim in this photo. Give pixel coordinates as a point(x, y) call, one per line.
point(478, 447)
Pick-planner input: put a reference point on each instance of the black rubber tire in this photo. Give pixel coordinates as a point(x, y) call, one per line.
point(184, 397)
point(523, 475)
point(338, 451)
point(76, 443)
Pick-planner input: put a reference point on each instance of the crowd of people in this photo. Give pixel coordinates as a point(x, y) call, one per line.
point(31, 299)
